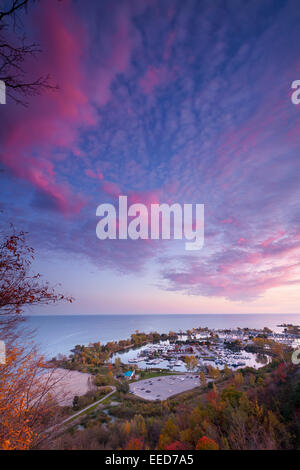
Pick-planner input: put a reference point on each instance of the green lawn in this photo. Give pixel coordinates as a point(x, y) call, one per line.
point(109, 399)
point(85, 411)
point(156, 373)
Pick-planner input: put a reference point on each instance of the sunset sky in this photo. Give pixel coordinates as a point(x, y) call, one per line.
point(162, 101)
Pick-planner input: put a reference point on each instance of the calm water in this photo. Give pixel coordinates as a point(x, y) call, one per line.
point(59, 334)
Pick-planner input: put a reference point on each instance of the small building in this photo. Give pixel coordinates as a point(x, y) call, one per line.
point(129, 374)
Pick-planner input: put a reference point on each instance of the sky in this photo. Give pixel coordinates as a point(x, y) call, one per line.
point(165, 102)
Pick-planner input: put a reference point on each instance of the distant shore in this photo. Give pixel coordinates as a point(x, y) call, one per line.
point(60, 333)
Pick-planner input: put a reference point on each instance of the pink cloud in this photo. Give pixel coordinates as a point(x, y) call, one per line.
point(241, 273)
point(95, 175)
point(232, 281)
point(273, 238)
point(36, 139)
point(31, 137)
point(152, 78)
point(227, 221)
point(145, 197)
point(114, 57)
point(111, 189)
point(169, 44)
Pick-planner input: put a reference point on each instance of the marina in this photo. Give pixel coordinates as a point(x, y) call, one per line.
point(209, 349)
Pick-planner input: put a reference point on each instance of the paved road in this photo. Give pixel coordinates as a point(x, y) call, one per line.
point(70, 418)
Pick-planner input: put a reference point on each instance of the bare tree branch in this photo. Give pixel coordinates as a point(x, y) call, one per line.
point(15, 6)
point(15, 52)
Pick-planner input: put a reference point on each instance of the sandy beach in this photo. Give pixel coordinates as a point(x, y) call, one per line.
point(67, 383)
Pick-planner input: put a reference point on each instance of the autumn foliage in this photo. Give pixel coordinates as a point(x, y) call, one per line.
point(205, 443)
point(26, 403)
point(135, 444)
point(176, 445)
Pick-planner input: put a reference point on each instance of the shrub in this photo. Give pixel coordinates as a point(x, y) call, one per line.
point(205, 443)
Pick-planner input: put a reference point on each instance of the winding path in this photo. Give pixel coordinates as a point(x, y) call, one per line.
point(70, 418)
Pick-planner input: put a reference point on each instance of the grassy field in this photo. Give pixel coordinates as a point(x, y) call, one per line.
point(154, 373)
point(109, 399)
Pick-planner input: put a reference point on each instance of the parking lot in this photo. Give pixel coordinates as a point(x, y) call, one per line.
point(161, 388)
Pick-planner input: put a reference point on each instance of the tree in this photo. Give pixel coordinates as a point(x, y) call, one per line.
point(110, 376)
point(18, 287)
point(101, 380)
point(26, 405)
point(205, 443)
point(123, 387)
point(252, 380)
point(140, 425)
point(26, 402)
point(212, 396)
point(191, 362)
point(76, 403)
point(214, 372)
point(170, 433)
point(278, 350)
point(202, 378)
point(135, 444)
point(176, 445)
point(227, 371)
point(238, 379)
point(231, 396)
point(118, 364)
point(280, 374)
point(15, 51)
point(127, 428)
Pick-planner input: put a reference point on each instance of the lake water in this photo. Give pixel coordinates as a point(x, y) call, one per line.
point(59, 334)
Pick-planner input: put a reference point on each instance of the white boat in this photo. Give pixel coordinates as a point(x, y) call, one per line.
point(155, 361)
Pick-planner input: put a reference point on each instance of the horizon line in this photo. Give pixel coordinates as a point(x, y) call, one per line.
point(147, 314)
